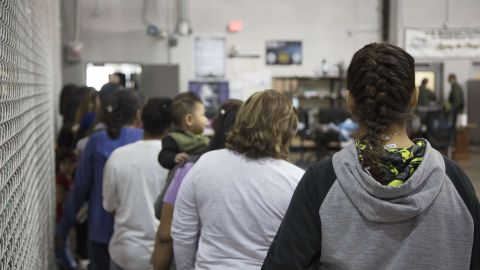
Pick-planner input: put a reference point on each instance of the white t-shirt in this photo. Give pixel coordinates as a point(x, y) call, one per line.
point(228, 210)
point(132, 180)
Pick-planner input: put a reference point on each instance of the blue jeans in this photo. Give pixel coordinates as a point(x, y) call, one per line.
point(99, 257)
point(64, 257)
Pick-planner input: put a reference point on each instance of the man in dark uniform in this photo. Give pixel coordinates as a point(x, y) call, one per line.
point(456, 101)
point(426, 95)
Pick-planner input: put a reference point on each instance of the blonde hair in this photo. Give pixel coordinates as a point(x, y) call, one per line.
point(87, 104)
point(264, 126)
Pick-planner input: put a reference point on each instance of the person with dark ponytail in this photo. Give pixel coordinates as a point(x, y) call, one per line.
point(132, 180)
point(122, 115)
point(385, 201)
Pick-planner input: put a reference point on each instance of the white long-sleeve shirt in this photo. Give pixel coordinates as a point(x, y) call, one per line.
point(228, 210)
point(132, 181)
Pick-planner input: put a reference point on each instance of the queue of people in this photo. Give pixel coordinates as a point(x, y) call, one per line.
point(161, 195)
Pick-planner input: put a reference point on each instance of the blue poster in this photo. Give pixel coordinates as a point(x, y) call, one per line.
point(212, 93)
point(284, 53)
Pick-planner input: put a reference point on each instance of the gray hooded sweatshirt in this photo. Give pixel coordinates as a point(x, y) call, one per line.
point(342, 218)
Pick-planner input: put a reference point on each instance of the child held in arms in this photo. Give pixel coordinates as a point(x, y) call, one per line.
point(188, 116)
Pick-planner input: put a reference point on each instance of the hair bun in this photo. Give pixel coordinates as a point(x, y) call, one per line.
point(167, 102)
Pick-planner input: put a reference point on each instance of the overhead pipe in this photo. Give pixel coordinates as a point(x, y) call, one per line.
point(183, 20)
point(78, 20)
point(386, 20)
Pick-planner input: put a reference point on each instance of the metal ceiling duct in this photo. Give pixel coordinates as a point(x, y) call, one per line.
point(183, 20)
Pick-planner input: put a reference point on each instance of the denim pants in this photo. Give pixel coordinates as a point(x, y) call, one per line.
point(99, 257)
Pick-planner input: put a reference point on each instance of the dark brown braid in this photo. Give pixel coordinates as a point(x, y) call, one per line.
point(381, 80)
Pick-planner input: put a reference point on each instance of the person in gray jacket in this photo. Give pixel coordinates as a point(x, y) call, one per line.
point(385, 201)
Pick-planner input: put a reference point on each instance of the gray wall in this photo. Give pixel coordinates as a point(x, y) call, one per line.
point(330, 29)
point(438, 14)
point(113, 31)
point(323, 26)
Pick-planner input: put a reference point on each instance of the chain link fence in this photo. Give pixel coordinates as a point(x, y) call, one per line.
point(28, 75)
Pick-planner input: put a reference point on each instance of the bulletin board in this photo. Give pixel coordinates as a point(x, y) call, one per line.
point(247, 76)
point(209, 56)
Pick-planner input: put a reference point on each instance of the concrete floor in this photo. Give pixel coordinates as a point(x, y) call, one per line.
point(472, 169)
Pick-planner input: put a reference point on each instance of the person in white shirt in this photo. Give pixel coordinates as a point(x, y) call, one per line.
point(132, 181)
point(232, 201)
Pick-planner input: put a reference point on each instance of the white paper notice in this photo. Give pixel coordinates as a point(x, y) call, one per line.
point(210, 54)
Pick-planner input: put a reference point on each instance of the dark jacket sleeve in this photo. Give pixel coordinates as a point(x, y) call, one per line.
point(170, 149)
point(467, 193)
point(297, 245)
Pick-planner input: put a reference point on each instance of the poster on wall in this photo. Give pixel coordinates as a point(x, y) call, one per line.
point(443, 43)
point(247, 76)
point(212, 94)
point(284, 52)
point(209, 56)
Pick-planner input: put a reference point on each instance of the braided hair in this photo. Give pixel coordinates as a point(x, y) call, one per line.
point(120, 110)
point(381, 80)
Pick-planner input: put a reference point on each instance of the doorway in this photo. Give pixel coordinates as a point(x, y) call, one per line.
point(434, 73)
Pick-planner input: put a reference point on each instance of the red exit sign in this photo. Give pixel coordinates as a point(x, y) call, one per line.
point(235, 26)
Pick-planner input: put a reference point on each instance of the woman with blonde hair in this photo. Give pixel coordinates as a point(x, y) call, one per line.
point(232, 201)
point(86, 114)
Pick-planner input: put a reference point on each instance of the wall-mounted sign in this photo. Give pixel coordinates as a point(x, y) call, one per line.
point(284, 53)
point(209, 56)
point(443, 43)
point(212, 93)
point(235, 26)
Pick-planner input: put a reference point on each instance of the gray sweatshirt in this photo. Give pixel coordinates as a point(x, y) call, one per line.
point(228, 210)
point(342, 218)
